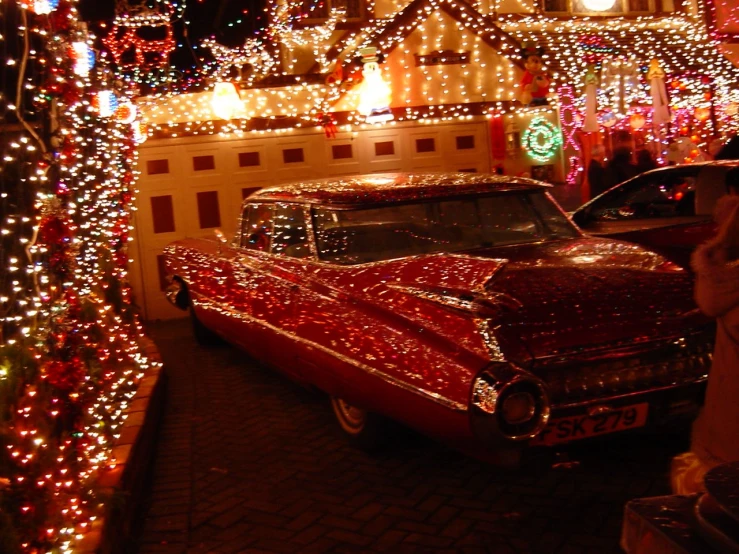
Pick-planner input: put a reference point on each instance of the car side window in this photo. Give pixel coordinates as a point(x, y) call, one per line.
point(656, 196)
point(256, 227)
point(290, 236)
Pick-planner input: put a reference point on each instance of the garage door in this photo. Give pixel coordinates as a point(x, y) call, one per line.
point(190, 186)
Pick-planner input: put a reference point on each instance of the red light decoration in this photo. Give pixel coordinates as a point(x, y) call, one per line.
point(637, 121)
point(702, 114)
point(124, 36)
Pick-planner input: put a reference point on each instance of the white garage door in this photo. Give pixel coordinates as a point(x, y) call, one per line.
point(190, 186)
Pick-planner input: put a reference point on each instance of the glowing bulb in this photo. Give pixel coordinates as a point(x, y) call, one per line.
point(226, 100)
point(598, 5)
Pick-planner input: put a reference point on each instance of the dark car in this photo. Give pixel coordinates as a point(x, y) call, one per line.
point(466, 306)
point(668, 209)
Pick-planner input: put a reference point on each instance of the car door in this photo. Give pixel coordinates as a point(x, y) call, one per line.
point(656, 209)
point(266, 275)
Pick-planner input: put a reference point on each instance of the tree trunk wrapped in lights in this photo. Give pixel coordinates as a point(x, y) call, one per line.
point(69, 355)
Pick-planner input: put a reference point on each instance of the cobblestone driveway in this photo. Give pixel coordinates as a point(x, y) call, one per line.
point(249, 462)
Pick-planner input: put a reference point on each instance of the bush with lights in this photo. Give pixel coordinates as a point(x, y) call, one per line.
point(70, 348)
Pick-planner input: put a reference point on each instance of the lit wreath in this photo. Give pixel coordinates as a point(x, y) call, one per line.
point(541, 139)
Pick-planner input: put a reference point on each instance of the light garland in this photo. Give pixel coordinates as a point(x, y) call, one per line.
point(541, 139)
point(70, 359)
point(487, 81)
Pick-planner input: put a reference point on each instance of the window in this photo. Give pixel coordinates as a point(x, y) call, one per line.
point(665, 194)
point(290, 237)
point(157, 167)
point(465, 142)
point(248, 159)
point(341, 151)
point(386, 148)
point(425, 145)
point(352, 236)
point(256, 227)
point(209, 214)
point(292, 155)
point(162, 214)
point(203, 163)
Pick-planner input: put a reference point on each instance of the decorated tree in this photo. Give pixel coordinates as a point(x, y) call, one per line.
point(70, 356)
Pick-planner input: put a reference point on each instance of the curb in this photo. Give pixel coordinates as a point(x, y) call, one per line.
point(122, 487)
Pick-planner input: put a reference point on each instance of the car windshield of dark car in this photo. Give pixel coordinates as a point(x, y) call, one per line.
point(350, 236)
point(661, 194)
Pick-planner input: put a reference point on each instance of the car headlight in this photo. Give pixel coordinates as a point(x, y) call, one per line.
point(508, 403)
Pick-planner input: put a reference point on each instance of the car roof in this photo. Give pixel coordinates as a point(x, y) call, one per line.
point(687, 168)
point(392, 187)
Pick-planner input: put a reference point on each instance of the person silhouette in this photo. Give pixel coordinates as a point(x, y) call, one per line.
point(715, 431)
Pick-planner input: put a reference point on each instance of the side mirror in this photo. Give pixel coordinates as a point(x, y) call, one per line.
point(220, 237)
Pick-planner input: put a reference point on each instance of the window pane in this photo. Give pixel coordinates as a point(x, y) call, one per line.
point(671, 194)
point(395, 231)
point(290, 234)
point(256, 227)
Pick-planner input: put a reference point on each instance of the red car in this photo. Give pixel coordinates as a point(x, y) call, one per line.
point(466, 306)
point(668, 209)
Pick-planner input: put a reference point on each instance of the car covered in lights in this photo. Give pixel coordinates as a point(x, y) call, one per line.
point(466, 306)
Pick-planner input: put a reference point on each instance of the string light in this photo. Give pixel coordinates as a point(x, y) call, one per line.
point(70, 355)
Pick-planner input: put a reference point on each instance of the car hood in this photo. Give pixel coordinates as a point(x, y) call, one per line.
point(554, 297)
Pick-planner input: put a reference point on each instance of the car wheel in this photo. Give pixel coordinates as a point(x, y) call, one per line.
point(203, 335)
point(366, 430)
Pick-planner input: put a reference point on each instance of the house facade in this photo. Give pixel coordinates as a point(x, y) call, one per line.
point(352, 87)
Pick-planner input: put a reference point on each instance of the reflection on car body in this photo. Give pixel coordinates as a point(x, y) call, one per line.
point(466, 306)
point(667, 209)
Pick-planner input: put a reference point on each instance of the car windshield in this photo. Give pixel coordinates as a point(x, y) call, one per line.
point(657, 194)
point(351, 236)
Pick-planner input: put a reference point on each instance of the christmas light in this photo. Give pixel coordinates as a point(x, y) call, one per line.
point(70, 357)
point(541, 139)
point(225, 100)
point(598, 5)
point(43, 7)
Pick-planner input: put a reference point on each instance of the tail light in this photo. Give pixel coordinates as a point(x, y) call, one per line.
point(508, 403)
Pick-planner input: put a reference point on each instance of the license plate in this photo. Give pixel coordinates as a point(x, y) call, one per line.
point(572, 428)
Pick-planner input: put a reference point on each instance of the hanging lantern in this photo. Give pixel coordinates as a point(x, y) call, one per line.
point(226, 100)
point(702, 114)
point(598, 5)
point(126, 111)
point(84, 58)
point(637, 121)
point(43, 7)
point(105, 103)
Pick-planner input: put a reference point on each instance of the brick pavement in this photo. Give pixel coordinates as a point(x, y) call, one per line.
point(249, 462)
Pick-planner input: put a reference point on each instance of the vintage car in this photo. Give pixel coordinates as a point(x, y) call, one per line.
point(668, 209)
point(466, 306)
